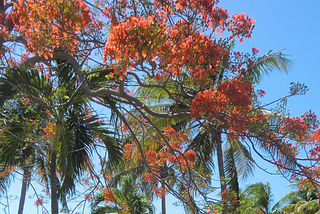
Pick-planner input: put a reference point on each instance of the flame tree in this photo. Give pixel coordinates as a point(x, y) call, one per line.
point(182, 49)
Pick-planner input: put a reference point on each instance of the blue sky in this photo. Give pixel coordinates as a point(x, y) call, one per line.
point(286, 24)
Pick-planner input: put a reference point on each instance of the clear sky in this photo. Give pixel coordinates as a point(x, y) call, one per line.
point(291, 25)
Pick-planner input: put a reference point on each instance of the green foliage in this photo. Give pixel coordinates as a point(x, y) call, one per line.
point(302, 200)
point(55, 100)
point(267, 63)
point(126, 196)
point(256, 197)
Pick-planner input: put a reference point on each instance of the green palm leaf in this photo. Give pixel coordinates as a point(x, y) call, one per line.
point(260, 195)
point(241, 157)
point(267, 63)
point(309, 207)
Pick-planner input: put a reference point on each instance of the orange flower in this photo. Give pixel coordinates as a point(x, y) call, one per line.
point(108, 195)
point(25, 101)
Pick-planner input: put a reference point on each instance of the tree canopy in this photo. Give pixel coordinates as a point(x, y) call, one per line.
point(178, 92)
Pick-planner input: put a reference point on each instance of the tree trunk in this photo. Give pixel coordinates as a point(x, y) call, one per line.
point(233, 182)
point(53, 175)
point(163, 175)
point(223, 185)
point(163, 204)
point(53, 183)
point(26, 178)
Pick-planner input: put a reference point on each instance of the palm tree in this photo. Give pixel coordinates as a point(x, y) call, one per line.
point(301, 207)
point(61, 107)
point(126, 197)
point(236, 161)
point(302, 200)
point(14, 131)
point(259, 197)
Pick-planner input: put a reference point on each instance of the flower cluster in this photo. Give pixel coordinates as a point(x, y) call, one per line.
point(230, 103)
point(171, 50)
point(48, 25)
point(298, 128)
point(108, 195)
point(25, 101)
point(49, 131)
point(160, 192)
point(241, 25)
point(130, 151)
point(39, 201)
point(255, 50)
point(169, 154)
point(7, 171)
point(135, 39)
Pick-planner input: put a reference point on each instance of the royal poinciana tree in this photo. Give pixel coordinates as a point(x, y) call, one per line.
point(181, 50)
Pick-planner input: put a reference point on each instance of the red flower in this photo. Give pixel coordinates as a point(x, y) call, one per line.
point(191, 156)
point(255, 50)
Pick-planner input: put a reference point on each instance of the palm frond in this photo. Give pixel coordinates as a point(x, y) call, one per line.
point(260, 195)
point(267, 63)
point(242, 158)
point(203, 146)
point(292, 197)
point(309, 207)
point(231, 170)
point(7, 91)
point(288, 208)
point(155, 94)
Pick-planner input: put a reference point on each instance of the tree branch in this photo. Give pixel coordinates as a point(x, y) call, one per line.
point(102, 91)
